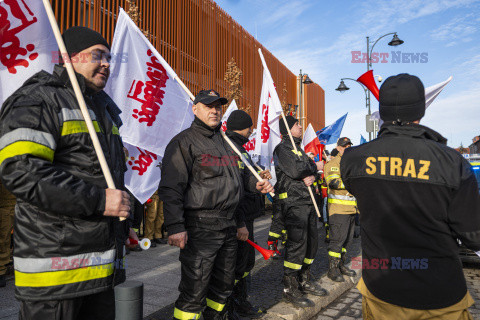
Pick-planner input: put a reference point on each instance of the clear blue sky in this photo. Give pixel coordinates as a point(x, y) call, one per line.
point(319, 36)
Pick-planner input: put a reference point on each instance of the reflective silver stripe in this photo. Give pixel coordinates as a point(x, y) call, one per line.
point(339, 197)
point(24, 134)
point(34, 265)
point(73, 114)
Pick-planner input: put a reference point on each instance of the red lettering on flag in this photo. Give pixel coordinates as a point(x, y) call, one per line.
point(145, 159)
point(265, 130)
point(250, 145)
point(11, 52)
point(151, 90)
point(224, 126)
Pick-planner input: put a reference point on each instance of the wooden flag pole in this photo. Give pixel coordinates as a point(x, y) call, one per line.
point(296, 152)
point(79, 96)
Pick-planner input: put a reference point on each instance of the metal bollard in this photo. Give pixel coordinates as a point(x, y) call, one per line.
point(129, 301)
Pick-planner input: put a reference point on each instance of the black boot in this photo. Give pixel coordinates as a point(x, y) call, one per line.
point(308, 286)
point(243, 307)
point(3, 281)
point(272, 245)
point(210, 314)
point(292, 293)
point(343, 268)
point(334, 273)
point(231, 310)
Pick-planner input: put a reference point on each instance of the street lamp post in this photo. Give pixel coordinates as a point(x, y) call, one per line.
point(394, 42)
point(304, 79)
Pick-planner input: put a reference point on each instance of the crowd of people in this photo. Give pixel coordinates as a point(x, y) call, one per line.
point(415, 197)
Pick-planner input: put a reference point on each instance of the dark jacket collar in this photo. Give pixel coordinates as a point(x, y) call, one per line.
point(62, 74)
point(204, 129)
point(286, 139)
point(236, 137)
point(412, 130)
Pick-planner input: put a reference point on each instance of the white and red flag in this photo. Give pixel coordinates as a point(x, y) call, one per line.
point(250, 145)
point(310, 143)
point(143, 174)
point(27, 44)
point(270, 109)
point(232, 107)
point(154, 105)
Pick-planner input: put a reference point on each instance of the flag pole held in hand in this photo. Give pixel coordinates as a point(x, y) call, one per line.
point(296, 152)
point(79, 96)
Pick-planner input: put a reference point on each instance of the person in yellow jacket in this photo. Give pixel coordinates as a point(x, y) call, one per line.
point(342, 208)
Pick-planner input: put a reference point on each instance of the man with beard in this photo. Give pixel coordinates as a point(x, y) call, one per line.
point(295, 173)
point(68, 238)
point(201, 187)
point(239, 128)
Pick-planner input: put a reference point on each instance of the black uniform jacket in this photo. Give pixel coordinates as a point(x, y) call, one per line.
point(48, 162)
point(252, 203)
point(201, 182)
point(416, 196)
point(290, 170)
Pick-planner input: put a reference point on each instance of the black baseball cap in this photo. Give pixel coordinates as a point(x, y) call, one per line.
point(343, 142)
point(208, 97)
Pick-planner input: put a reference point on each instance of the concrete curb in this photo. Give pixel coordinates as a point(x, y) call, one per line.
point(287, 311)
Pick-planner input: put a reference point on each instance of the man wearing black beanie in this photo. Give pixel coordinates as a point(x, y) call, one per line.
point(239, 128)
point(68, 239)
point(295, 174)
point(417, 197)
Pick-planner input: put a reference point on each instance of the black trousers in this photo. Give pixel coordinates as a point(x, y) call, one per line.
point(342, 227)
point(302, 237)
point(245, 254)
point(99, 306)
point(208, 271)
point(278, 224)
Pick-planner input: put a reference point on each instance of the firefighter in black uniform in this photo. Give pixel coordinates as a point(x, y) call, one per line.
point(295, 172)
point(417, 197)
point(201, 187)
point(239, 125)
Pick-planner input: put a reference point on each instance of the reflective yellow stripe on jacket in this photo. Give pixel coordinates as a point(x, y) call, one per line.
point(27, 141)
point(54, 271)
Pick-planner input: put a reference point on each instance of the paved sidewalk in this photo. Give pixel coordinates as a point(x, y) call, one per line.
point(349, 305)
point(159, 269)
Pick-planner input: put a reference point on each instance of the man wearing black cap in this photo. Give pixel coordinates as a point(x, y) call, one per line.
point(201, 187)
point(68, 238)
point(295, 173)
point(342, 209)
point(417, 197)
point(239, 128)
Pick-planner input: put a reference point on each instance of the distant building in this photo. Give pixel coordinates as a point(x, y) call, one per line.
point(475, 146)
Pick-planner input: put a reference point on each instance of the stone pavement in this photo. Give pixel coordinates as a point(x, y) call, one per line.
point(349, 305)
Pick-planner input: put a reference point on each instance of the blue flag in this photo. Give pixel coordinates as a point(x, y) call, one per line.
point(330, 134)
point(362, 140)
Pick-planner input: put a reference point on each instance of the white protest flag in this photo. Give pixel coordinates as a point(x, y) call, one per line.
point(250, 145)
point(433, 91)
point(154, 106)
point(270, 109)
point(27, 44)
point(232, 107)
point(143, 174)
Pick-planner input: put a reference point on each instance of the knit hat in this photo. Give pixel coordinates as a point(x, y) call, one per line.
point(334, 153)
point(78, 39)
point(239, 120)
point(291, 122)
point(402, 98)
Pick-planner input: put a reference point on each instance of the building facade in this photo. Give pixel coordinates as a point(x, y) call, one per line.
point(198, 39)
